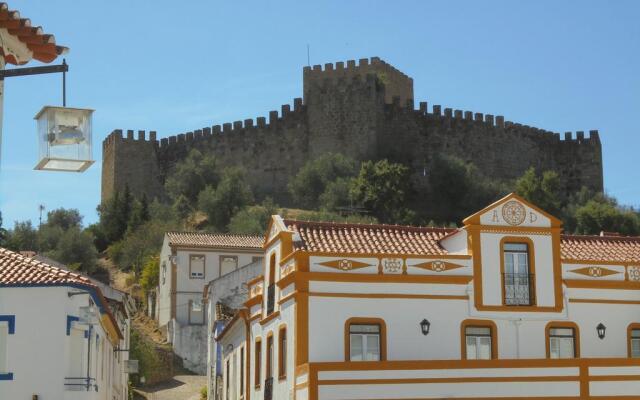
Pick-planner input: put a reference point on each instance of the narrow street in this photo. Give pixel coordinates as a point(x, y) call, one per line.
point(181, 387)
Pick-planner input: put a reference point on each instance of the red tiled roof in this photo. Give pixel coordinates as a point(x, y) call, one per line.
point(621, 249)
point(330, 237)
point(42, 45)
point(370, 239)
point(203, 239)
point(16, 269)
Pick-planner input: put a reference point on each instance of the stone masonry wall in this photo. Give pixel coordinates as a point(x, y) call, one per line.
point(365, 111)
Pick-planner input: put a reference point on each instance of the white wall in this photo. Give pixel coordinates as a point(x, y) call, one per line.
point(39, 351)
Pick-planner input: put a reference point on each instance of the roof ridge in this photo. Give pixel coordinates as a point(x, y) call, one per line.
point(605, 238)
point(216, 234)
point(369, 226)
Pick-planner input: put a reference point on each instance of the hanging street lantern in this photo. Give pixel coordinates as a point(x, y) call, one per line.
point(64, 139)
point(64, 134)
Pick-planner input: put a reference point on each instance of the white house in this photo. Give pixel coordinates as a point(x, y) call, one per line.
point(60, 337)
point(188, 261)
point(504, 307)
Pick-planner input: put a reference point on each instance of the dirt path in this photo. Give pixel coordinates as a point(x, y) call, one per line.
point(181, 387)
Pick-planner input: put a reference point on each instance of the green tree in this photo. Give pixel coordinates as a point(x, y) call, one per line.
point(22, 237)
point(139, 213)
point(253, 220)
point(192, 175)
point(382, 187)
point(602, 213)
point(231, 195)
point(3, 232)
point(314, 177)
point(543, 191)
point(455, 190)
point(149, 278)
point(75, 249)
point(64, 218)
point(114, 216)
point(182, 205)
point(336, 194)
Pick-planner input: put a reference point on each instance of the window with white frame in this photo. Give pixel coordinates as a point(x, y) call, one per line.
point(562, 343)
point(196, 266)
point(228, 264)
point(364, 342)
point(635, 343)
point(478, 342)
point(77, 353)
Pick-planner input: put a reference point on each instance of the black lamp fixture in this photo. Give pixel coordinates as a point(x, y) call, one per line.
point(601, 330)
point(425, 325)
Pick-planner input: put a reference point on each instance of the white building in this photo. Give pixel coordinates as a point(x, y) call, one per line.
point(188, 261)
point(504, 307)
point(60, 337)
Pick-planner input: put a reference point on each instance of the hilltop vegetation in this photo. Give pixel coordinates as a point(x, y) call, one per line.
point(206, 196)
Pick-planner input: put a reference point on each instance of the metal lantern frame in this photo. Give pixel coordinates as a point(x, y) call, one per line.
point(425, 326)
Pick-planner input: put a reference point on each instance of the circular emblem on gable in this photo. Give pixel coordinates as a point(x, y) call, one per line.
point(513, 212)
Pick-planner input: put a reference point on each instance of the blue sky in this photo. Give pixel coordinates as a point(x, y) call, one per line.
point(177, 66)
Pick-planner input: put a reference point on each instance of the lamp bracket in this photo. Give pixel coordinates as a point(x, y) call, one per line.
point(47, 69)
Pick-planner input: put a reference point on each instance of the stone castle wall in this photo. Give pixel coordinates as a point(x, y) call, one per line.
point(365, 111)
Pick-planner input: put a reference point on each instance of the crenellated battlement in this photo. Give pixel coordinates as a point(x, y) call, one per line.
point(216, 132)
point(396, 83)
point(364, 109)
point(490, 120)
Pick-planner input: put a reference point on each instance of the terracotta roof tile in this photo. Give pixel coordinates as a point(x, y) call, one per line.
point(367, 239)
point(42, 45)
point(622, 249)
point(16, 269)
point(203, 239)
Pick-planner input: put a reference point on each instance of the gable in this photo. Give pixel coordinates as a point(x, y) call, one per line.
point(513, 211)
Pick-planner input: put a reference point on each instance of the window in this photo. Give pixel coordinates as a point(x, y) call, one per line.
point(7, 327)
point(228, 264)
point(269, 357)
point(77, 353)
point(258, 363)
point(228, 385)
point(517, 277)
point(271, 289)
point(562, 342)
point(242, 371)
point(364, 342)
point(634, 341)
point(196, 312)
point(164, 272)
point(282, 354)
point(478, 342)
point(196, 266)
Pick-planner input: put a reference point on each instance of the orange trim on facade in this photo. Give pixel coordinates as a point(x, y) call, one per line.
point(601, 284)
point(282, 366)
point(363, 321)
point(483, 323)
point(389, 296)
point(563, 324)
point(377, 278)
point(270, 317)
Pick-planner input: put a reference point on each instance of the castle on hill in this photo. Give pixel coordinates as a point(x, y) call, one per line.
point(365, 111)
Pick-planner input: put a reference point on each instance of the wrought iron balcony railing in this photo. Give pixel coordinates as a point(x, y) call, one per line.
point(271, 298)
point(268, 389)
point(519, 289)
point(80, 384)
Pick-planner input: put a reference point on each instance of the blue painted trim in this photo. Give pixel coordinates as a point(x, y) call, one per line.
point(71, 319)
point(11, 321)
point(6, 377)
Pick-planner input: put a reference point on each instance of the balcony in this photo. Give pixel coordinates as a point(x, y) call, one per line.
point(271, 298)
point(519, 289)
point(83, 384)
point(268, 389)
